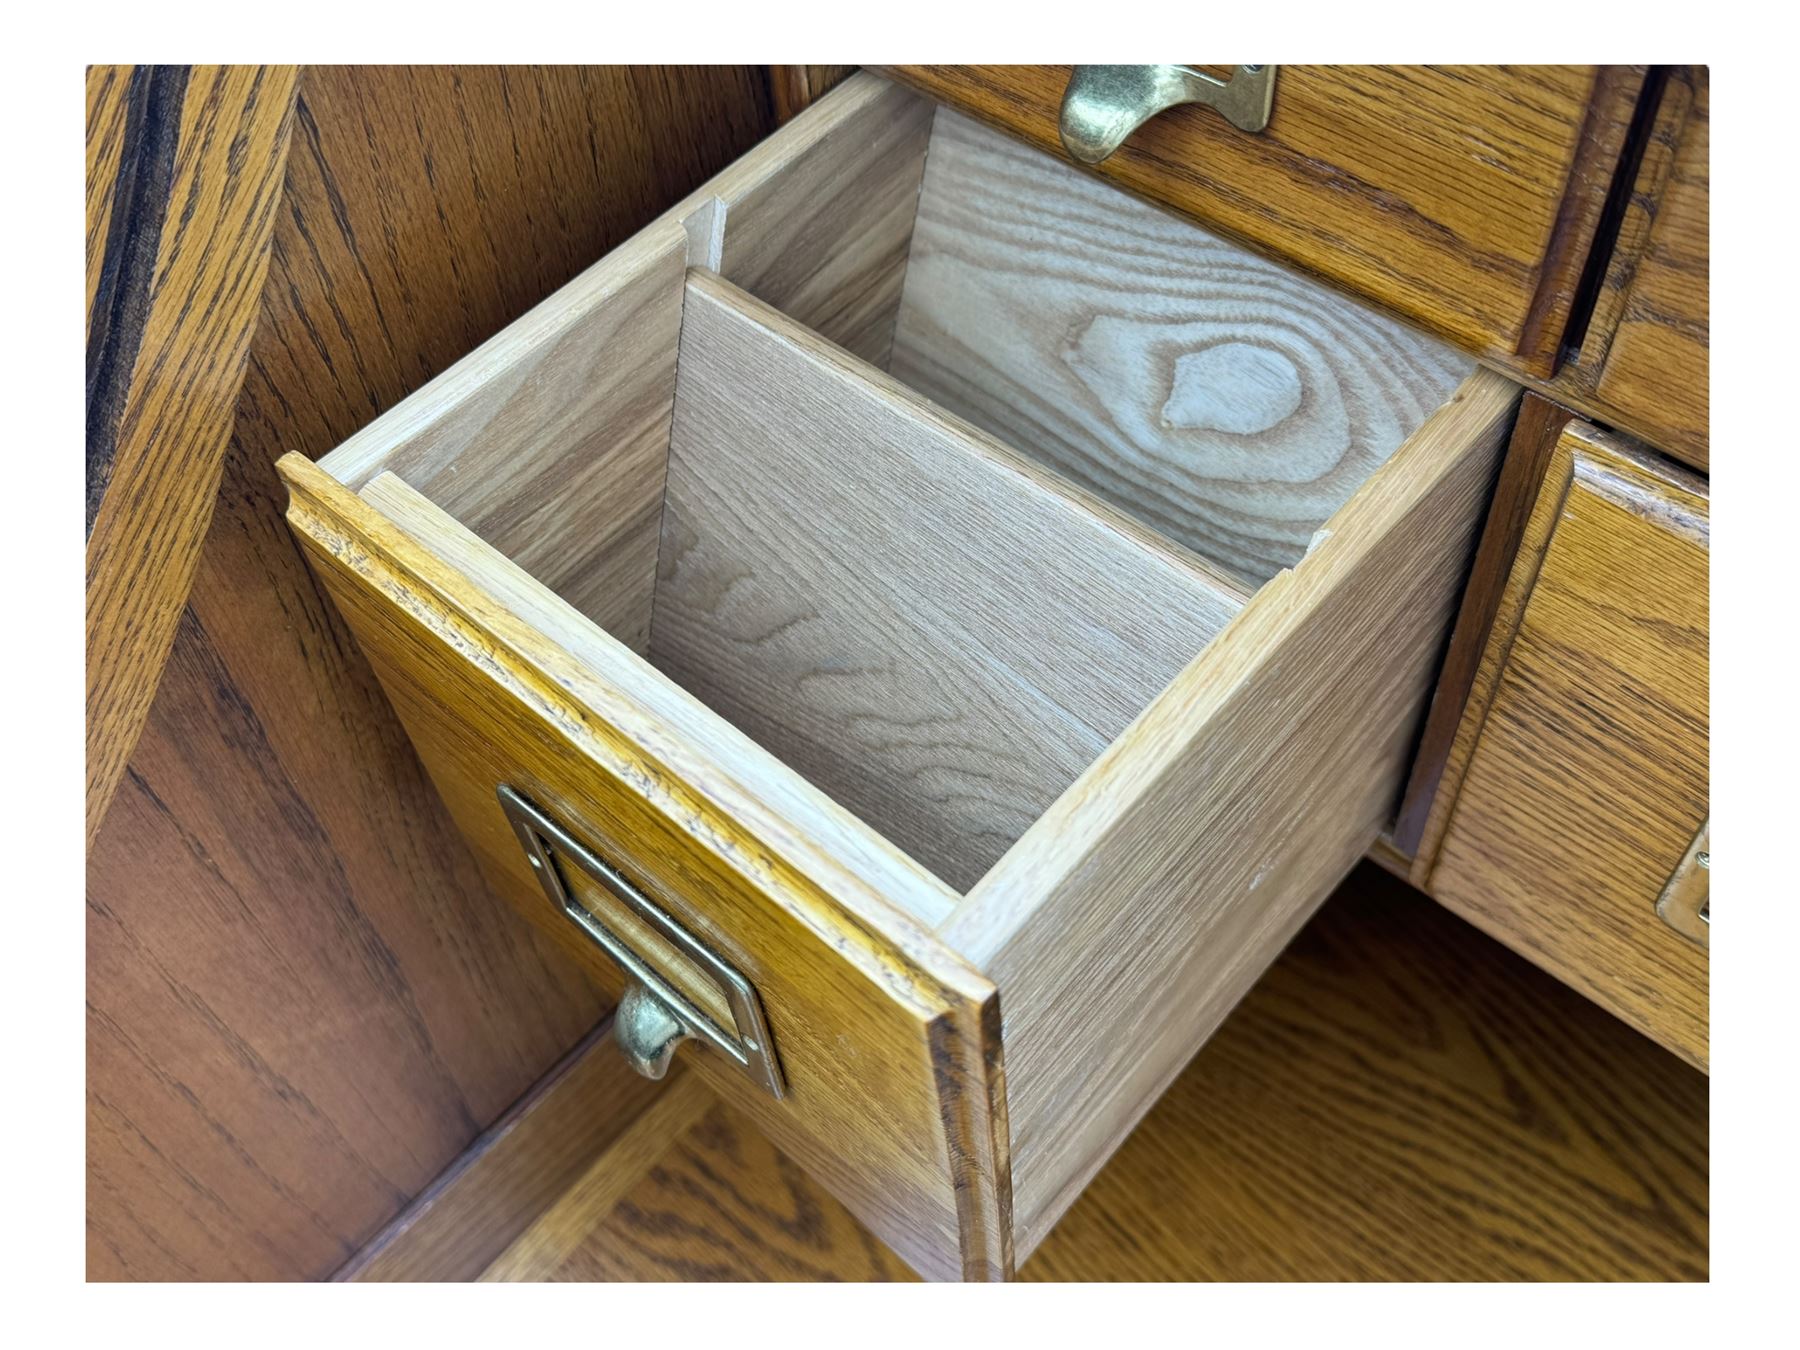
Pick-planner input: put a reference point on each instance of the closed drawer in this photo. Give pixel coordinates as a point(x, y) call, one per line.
point(1464, 198)
point(1578, 779)
point(1655, 378)
point(982, 613)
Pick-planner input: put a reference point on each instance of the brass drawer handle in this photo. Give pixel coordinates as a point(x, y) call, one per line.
point(1105, 104)
point(678, 988)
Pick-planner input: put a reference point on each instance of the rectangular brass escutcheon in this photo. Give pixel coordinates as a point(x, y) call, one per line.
point(711, 1000)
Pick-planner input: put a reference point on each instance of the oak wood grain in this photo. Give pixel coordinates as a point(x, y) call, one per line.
point(109, 107)
point(723, 1203)
point(1534, 436)
point(303, 1002)
point(1398, 1098)
point(1463, 198)
point(499, 681)
point(459, 1225)
point(796, 88)
point(1130, 917)
point(550, 440)
point(913, 616)
point(184, 175)
point(1223, 399)
point(543, 1245)
point(1579, 771)
point(1656, 377)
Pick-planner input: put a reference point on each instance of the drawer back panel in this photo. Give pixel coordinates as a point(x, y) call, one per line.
point(1229, 402)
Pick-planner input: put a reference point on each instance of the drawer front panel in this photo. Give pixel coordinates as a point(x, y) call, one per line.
point(1583, 752)
point(887, 1044)
point(1655, 378)
point(1465, 199)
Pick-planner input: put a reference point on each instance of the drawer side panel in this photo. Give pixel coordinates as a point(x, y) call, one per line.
point(1129, 920)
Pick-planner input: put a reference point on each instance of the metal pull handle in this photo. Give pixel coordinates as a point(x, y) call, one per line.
point(678, 988)
point(1105, 104)
point(646, 1031)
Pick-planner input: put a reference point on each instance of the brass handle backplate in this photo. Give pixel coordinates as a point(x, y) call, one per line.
point(1105, 104)
point(1686, 901)
point(678, 988)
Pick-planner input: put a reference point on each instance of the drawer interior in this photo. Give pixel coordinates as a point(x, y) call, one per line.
point(1005, 533)
point(922, 622)
point(940, 590)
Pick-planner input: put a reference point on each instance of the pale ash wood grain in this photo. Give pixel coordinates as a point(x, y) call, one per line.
point(899, 1106)
point(635, 700)
point(1224, 399)
point(913, 616)
point(824, 238)
point(1463, 198)
point(550, 439)
point(1579, 771)
point(1126, 922)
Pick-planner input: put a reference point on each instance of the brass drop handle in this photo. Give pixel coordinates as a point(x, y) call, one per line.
point(676, 987)
point(1105, 104)
point(647, 1031)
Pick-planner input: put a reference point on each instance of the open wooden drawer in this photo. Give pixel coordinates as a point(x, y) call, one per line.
point(996, 757)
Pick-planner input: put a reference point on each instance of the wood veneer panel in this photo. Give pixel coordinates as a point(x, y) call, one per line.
point(302, 1001)
point(1464, 198)
point(543, 1245)
point(550, 441)
point(1579, 772)
point(1160, 885)
point(1534, 436)
point(1220, 398)
point(1398, 1098)
point(1656, 379)
point(913, 616)
point(520, 1166)
point(184, 176)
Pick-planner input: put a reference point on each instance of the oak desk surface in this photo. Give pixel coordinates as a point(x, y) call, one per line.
point(1398, 1098)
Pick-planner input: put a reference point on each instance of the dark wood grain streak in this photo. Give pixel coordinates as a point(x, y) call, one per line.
point(1540, 423)
point(1398, 1099)
point(119, 307)
point(1643, 360)
point(302, 1001)
point(184, 177)
point(1579, 240)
